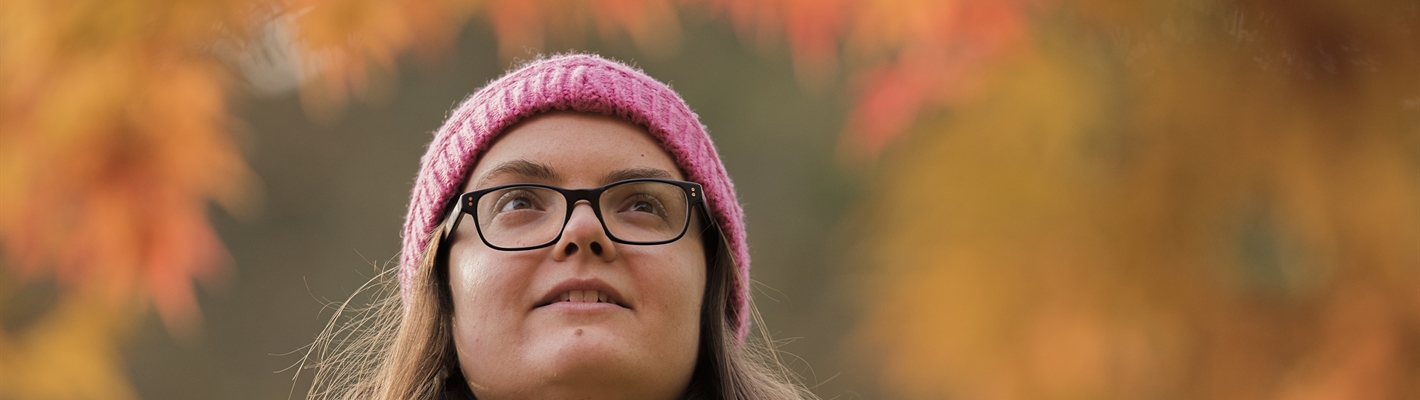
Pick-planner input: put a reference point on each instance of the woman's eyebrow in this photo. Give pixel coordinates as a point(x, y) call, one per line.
point(636, 173)
point(523, 168)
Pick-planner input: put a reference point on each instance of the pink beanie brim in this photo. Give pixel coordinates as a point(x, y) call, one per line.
point(582, 83)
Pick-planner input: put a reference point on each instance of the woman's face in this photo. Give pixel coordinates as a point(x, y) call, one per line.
point(511, 342)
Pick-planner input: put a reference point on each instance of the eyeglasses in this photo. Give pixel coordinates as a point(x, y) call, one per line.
point(527, 216)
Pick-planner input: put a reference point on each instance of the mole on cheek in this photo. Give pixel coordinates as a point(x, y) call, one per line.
point(579, 332)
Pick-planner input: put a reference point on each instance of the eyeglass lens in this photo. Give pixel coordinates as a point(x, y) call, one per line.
point(636, 212)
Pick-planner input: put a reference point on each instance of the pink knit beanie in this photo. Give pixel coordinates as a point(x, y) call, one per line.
point(583, 83)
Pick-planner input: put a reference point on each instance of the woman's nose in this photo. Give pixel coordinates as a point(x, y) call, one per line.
point(584, 233)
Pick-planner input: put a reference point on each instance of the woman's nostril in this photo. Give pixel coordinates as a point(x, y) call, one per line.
point(571, 248)
point(596, 248)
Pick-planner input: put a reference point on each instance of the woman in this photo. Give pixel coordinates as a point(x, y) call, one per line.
point(572, 234)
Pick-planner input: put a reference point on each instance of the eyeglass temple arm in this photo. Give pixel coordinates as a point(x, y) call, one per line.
point(451, 222)
point(706, 213)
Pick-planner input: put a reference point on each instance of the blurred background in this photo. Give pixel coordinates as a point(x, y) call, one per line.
point(964, 199)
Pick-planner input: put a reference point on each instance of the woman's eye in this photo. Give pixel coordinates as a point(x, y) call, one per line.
point(642, 206)
point(517, 200)
point(521, 203)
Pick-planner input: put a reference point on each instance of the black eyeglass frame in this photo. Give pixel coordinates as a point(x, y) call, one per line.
point(467, 204)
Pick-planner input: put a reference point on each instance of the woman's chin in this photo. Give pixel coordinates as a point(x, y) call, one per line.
point(592, 349)
point(581, 362)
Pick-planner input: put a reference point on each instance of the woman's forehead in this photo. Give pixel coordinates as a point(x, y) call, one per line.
point(572, 150)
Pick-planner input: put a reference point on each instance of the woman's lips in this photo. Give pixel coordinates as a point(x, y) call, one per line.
point(583, 293)
point(581, 306)
point(584, 296)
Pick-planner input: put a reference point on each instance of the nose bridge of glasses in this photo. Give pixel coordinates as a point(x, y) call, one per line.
point(571, 210)
point(576, 199)
point(575, 196)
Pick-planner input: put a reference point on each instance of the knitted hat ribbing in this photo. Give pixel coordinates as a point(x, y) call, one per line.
point(583, 83)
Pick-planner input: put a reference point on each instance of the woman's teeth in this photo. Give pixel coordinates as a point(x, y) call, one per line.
point(585, 296)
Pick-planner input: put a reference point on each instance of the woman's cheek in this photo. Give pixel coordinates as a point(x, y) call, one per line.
point(484, 294)
point(683, 284)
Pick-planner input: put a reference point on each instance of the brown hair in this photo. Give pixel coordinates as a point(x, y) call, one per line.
point(386, 352)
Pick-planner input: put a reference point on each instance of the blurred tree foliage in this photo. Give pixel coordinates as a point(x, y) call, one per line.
point(1202, 199)
point(1169, 199)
